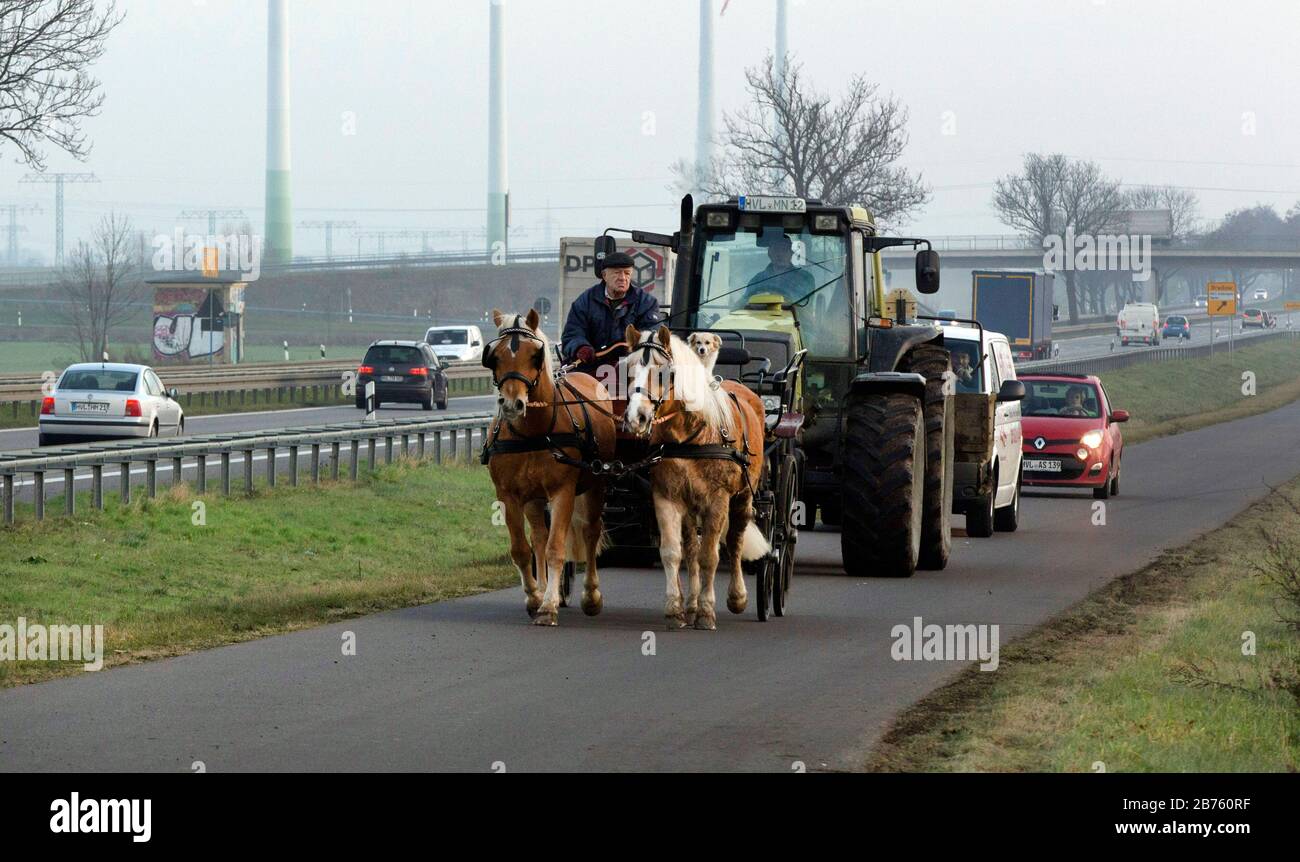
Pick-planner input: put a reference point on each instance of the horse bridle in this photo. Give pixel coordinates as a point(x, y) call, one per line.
point(646, 348)
point(514, 331)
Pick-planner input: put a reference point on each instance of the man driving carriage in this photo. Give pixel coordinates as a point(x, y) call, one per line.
point(601, 314)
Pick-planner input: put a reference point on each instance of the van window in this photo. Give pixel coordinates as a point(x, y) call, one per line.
point(1002, 354)
point(448, 336)
point(966, 365)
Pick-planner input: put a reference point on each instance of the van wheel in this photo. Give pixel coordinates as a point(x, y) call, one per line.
point(1007, 519)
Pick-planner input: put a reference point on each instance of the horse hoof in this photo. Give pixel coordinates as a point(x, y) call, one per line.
point(675, 621)
point(737, 604)
point(689, 618)
point(546, 618)
point(592, 603)
point(706, 622)
point(531, 606)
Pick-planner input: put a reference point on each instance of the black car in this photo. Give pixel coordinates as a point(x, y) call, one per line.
point(402, 371)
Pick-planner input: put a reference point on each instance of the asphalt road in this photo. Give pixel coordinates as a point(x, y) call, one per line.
point(1086, 346)
point(470, 685)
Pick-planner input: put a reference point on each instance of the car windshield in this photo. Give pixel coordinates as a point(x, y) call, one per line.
point(393, 354)
point(966, 365)
point(1059, 398)
point(780, 258)
point(448, 336)
point(99, 380)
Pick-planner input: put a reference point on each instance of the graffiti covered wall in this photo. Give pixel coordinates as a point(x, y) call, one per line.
point(197, 324)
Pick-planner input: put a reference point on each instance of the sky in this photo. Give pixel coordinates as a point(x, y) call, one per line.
point(389, 107)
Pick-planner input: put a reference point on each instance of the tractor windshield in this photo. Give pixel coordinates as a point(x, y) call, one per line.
point(789, 264)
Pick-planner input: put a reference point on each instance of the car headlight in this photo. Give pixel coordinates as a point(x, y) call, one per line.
point(1092, 439)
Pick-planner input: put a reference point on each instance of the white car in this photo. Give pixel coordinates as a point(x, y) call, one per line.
point(455, 343)
point(1261, 293)
point(99, 400)
point(986, 473)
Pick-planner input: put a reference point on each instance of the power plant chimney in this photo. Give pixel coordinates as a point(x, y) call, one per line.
point(704, 119)
point(279, 221)
point(782, 22)
point(498, 213)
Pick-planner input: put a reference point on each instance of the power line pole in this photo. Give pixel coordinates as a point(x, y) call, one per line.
point(329, 225)
point(212, 216)
point(59, 178)
point(14, 227)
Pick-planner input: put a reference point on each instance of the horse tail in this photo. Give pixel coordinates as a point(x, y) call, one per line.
point(752, 543)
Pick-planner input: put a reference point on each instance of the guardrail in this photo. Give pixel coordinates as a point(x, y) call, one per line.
point(221, 384)
point(1112, 361)
point(425, 433)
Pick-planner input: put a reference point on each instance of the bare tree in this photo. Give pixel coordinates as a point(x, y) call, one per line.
point(46, 46)
point(794, 140)
point(1053, 194)
point(101, 283)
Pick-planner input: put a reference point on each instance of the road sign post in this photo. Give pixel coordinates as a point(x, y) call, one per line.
point(1290, 307)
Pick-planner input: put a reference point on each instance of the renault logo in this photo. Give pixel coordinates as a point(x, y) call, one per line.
point(1039, 443)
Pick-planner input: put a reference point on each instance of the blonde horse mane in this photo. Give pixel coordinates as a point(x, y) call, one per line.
point(692, 383)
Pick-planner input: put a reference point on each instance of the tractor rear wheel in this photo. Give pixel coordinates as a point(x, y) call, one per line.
point(933, 361)
point(883, 484)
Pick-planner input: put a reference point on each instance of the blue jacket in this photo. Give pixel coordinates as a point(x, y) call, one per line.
point(592, 322)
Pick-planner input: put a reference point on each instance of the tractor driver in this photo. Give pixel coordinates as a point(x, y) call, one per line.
point(780, 276)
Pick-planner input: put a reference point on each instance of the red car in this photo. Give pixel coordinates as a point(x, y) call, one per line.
point(1071, 433)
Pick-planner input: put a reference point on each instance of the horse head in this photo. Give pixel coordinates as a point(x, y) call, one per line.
point(519, 361)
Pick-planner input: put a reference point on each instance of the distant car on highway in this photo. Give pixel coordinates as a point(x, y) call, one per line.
point(1139, 321)
point(1071, 431)
point(1201, 302)
point(1261, 294)
point(102, 400)
point(403, 371)
point(1176, 326)
point(455, 343)
point(1257, 317)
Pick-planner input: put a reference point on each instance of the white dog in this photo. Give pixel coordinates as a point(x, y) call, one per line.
point(706, 345)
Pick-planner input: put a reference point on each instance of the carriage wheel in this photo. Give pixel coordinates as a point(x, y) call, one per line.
point(763, 586)
point(786, 530)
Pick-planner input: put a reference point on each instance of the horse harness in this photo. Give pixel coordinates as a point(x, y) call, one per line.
point(584, 442)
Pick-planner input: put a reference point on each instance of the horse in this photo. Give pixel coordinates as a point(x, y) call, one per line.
point(709, 439)
point(538, 448)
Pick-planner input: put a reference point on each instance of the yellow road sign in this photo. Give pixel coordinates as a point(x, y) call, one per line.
point(1293, 306)
point(1221, 299)
point(1222, 307)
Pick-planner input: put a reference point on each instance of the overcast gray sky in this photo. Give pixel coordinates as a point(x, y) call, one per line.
point(1197, 94)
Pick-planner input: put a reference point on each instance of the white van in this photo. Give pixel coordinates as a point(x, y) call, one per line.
point(1139, 321)
point(455, 343)
point(988, 442)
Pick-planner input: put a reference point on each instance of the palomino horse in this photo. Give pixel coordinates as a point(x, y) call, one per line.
point(710, 440)
point(544, 433)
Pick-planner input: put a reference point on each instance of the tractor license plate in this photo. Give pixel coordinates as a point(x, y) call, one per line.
point(89, 407)
point(1042, 465)
point(390, 380)
point(770, 204)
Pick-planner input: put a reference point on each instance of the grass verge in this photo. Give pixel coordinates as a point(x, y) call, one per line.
point(1145, 675)
point(1182, 395)
point(284, 559)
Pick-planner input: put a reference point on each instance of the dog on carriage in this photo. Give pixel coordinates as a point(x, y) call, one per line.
point(703, 487)
point(706, 345)
point(546, 432)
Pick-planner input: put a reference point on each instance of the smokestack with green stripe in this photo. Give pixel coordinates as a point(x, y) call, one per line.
point(278, 228)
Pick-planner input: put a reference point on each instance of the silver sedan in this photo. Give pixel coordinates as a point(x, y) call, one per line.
point(99, 400)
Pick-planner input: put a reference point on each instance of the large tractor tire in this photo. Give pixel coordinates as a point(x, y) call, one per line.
point(933, 362)
point(883, 485)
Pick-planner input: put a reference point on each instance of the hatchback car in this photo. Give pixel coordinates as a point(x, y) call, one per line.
point(1257, 317)
point(1177, 326)
point(403, 371)
point(101, 400)
point(1072, 434)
